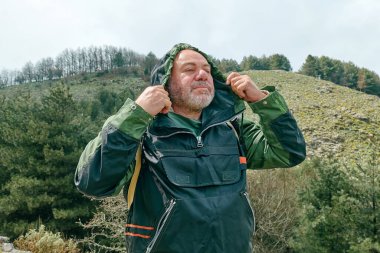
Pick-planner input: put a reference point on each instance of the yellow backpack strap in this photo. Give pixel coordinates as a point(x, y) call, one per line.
point(135, 176)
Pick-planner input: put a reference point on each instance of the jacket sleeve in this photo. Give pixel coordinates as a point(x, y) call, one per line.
point(276, 142)
point(107, 162)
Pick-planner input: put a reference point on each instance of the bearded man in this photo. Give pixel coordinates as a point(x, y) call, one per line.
point(195, 147)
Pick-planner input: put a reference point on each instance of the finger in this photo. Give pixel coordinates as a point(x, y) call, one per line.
point(161, 89)
point(167, 106)
point(239, 88)
point(236, 79)
point(231, 76)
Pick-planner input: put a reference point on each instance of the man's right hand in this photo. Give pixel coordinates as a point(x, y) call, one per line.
point(154, 99)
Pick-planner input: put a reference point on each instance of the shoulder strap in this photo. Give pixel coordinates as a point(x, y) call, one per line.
point(135, 176)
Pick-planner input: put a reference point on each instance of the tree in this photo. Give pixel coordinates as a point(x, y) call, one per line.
point(28, 71)
point(4, 78)
point(41, 144)
point(253, 62)
point(351, 75)
point(340, 206)
point(368, 82)
point(279, 62)
point(311, 66)
point(228, 65)
point(118, 60)
point(149, 62)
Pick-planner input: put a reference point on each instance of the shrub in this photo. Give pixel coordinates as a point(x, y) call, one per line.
point(107, 227)
point(43, 241)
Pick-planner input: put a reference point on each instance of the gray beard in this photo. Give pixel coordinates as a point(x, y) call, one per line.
point(197, 103)
point(190, 101)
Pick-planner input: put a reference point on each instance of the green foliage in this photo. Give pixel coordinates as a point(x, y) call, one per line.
point(311, 67)
point(253, 62)
point(149, 62)
point(366, 246)
point(273, 62)
point(340, 207)
point(41, 143)
point(228, 65)
point(346, 74)
point(118, 59)
point(279, 62)
point(43, 241)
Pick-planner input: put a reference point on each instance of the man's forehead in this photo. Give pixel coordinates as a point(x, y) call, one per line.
point(190, 56)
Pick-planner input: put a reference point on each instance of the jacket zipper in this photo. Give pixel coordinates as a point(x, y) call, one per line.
point(161, 225)
point(198, 137)
point(253, 212)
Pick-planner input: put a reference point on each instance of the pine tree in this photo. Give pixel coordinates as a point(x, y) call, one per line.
point(279, 62)
point(42, 144)
point(340, 207)
point(311, 66)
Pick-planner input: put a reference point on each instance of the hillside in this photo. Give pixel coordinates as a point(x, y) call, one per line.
point(335, 120)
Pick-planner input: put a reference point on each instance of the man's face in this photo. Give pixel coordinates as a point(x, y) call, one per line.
point(191, 86)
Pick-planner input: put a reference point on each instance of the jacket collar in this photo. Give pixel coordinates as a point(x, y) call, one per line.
point(224, 107)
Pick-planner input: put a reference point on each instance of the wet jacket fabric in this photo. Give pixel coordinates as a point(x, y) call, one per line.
point(191, 192)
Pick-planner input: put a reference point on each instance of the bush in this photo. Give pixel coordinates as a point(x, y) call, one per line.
point(43, 241)
point(107, 227)
point(366, 246)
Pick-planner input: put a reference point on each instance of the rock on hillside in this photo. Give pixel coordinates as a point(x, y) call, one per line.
point(7, 247)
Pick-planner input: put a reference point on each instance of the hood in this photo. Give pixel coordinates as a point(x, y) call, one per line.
point(223, 107)
point(162, 71)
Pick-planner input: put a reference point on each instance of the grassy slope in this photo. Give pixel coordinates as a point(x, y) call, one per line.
point(335, 120)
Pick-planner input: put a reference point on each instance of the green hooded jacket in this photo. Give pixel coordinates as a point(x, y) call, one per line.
point(191, 192)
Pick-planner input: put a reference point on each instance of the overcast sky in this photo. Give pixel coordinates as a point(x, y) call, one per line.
point(348, 30)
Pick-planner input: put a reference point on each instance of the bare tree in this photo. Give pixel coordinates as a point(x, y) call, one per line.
point(28, 71)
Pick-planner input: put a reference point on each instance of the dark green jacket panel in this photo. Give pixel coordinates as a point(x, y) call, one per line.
point(191, 196)
point(108, 160)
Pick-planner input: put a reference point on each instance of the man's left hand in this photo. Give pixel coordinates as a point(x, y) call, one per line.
point(244, 87)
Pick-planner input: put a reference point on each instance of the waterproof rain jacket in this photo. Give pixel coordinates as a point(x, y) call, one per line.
point(191, 192)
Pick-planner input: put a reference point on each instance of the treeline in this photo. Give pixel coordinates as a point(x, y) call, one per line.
point(342, 73)
point(272, 62)
point(107, 58)
point(82, 60)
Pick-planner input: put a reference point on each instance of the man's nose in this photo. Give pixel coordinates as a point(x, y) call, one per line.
point(202, 75)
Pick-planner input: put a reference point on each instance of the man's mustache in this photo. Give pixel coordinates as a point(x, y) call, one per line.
point(198, 84)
